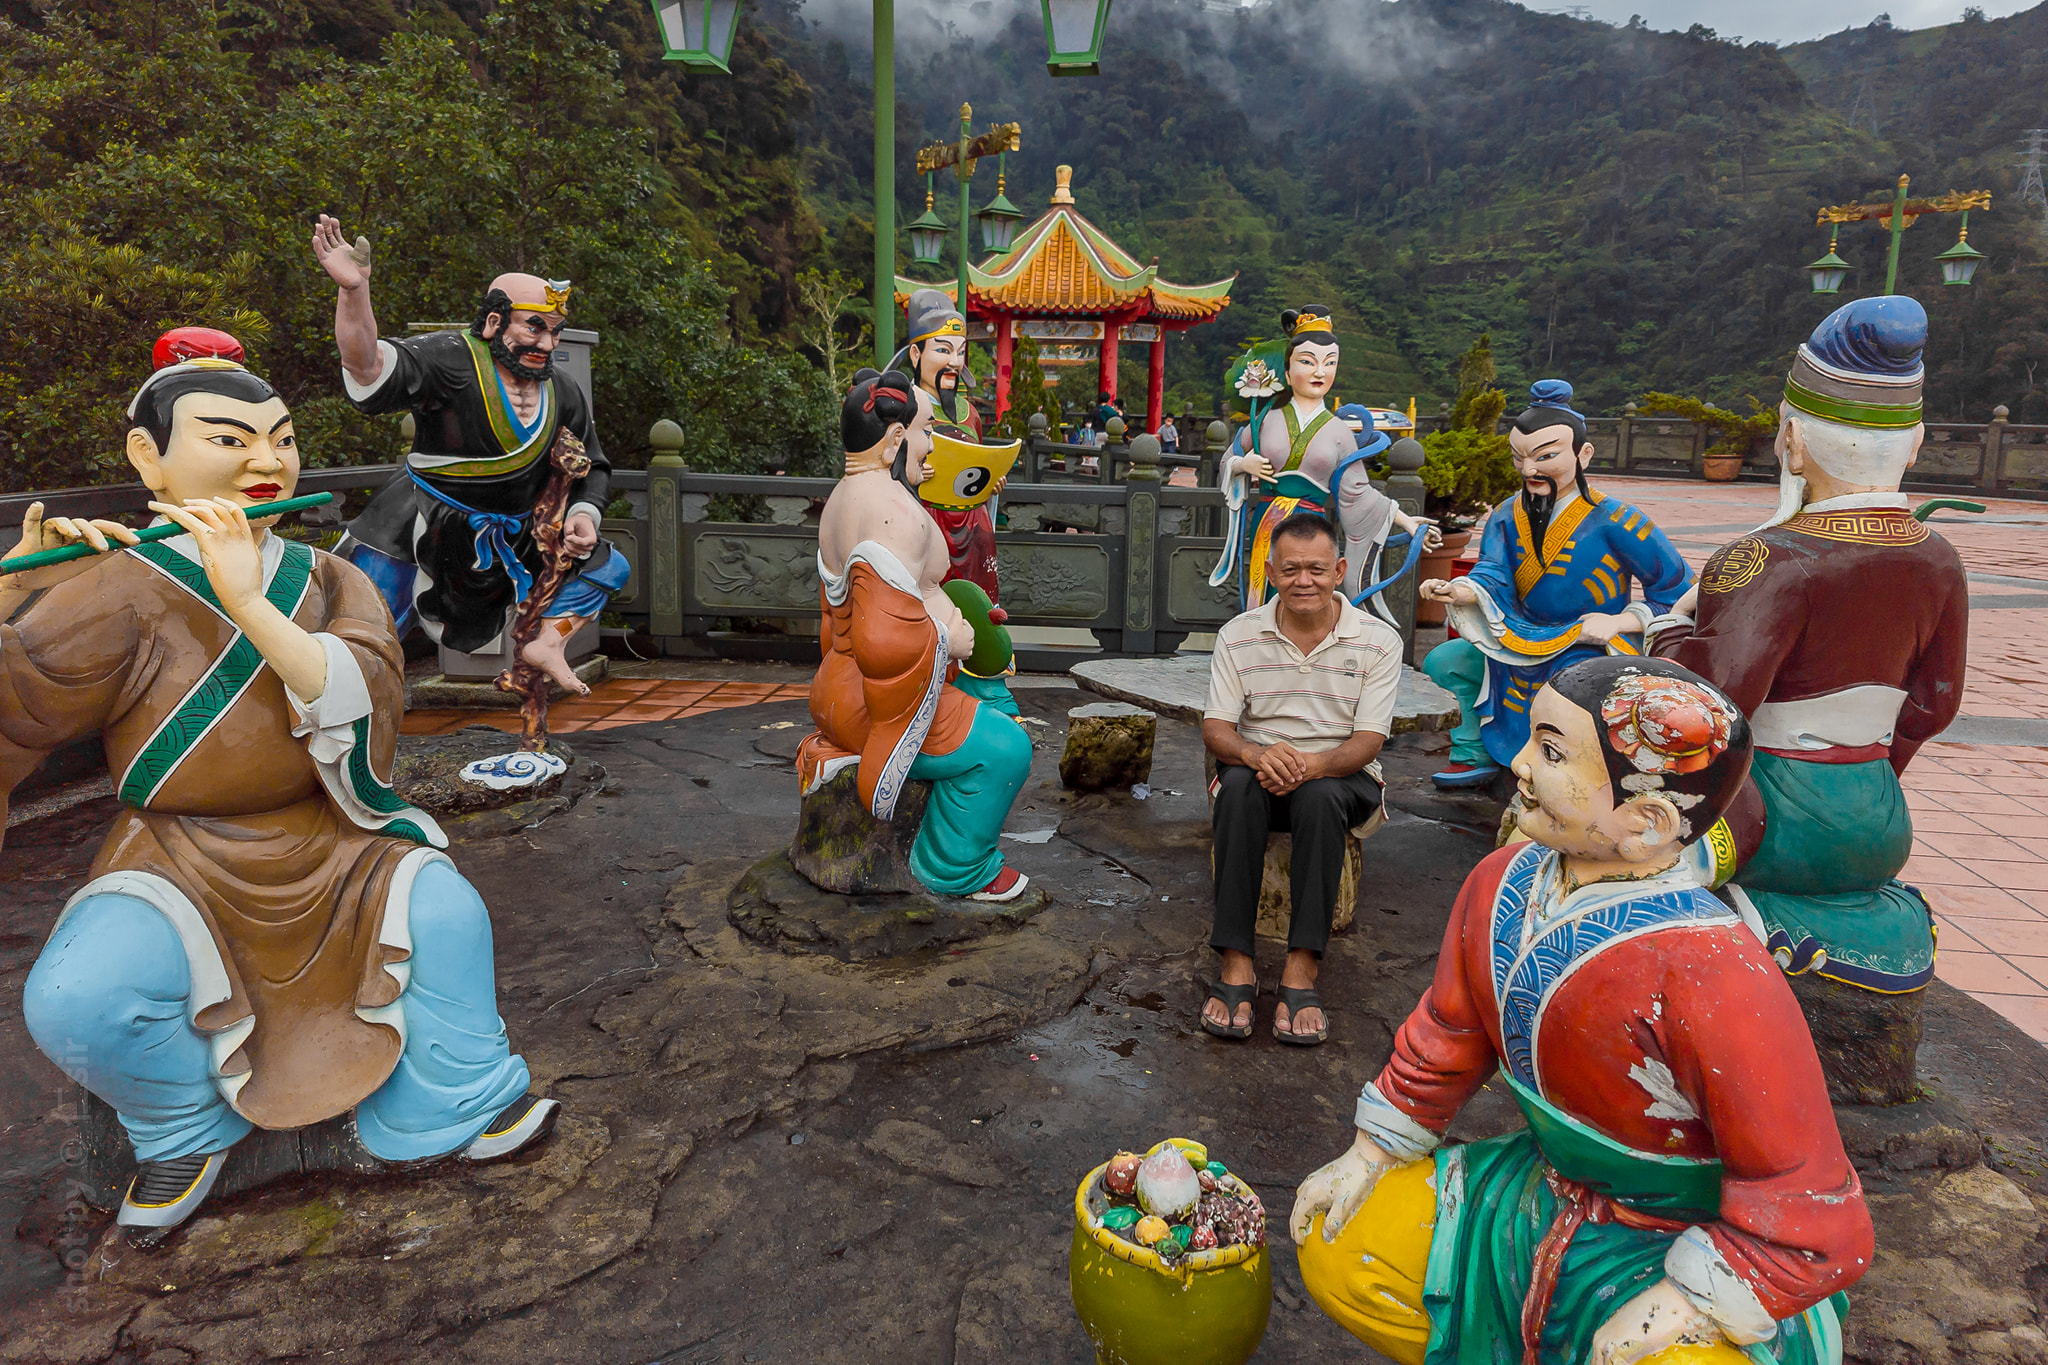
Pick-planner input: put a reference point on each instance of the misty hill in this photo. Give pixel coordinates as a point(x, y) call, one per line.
point(1627, 208)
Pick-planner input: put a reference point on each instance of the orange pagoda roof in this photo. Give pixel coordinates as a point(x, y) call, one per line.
point(1064, 264)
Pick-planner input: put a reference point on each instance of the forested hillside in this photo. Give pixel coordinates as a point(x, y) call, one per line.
point(1626, 208)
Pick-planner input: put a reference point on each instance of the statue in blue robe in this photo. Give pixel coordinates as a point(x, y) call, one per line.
point(1554, 584)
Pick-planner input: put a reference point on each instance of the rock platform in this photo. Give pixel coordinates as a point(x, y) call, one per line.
point(754, 1133)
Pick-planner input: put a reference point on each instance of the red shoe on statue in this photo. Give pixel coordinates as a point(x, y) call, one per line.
point(1008, 885)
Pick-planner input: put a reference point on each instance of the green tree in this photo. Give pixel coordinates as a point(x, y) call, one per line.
point(518, 153)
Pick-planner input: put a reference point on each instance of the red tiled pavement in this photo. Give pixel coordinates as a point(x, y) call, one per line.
point(1980, 851)
point(618, 701)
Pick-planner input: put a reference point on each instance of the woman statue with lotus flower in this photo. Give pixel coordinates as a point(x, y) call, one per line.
point(1294, 455)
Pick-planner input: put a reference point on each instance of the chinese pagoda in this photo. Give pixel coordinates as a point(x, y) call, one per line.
point(1069, 287)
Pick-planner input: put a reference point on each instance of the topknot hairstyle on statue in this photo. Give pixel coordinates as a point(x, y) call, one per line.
point(1550, 405)
point(1664, 730)
point(875, 403)
point(1309, 323)
point(191, 360)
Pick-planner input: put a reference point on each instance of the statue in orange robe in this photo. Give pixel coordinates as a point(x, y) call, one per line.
point(892, 639)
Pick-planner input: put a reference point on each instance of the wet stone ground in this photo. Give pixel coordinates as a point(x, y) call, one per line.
point(773, 1155)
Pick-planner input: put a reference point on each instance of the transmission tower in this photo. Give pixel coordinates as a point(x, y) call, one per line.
point(2031, 190)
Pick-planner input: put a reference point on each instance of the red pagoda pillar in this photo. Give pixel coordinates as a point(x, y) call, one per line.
point(1155, 383)
point(1006, 346)
point(1106, 372)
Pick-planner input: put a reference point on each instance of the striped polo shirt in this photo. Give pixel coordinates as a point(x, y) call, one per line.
point(1271, 691)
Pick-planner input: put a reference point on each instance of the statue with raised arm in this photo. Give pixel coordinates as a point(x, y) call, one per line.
point(886, 696)
point(270, 937)
point(1841, 627)
point(1296, 454)
point(452, 543)
point(1680, 1195)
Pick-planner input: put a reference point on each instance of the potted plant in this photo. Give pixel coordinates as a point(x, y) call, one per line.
point(1734, 434)
point(1469, 469)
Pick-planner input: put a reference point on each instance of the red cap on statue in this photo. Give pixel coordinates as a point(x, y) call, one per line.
point(191, 343)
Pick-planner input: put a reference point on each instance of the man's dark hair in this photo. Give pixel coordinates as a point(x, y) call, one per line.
point(1703, 795)
point(1307, 524)
point(875, 403)
point(154, 407)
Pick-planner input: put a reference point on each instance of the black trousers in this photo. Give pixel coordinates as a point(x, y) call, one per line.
point(1320, 814)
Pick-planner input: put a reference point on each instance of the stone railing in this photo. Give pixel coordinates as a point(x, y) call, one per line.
point(1997, 459)
point(1093, 541)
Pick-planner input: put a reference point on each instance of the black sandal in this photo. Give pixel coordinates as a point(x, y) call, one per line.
point(1297, 999)
point(1232, 997)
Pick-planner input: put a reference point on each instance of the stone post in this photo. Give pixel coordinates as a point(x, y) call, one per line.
point(1113, 447)
point(1215, 445)
point(1993, 477)
point(1141, 543)
point(1405, 487)
point(1039, 427)
point(664, 529)
point(1625, 437)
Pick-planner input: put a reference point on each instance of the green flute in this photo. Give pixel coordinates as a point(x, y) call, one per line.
point(64, 554)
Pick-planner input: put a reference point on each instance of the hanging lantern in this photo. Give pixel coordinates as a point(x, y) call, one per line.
point(1960, 261)
point(999, 219)
point(1830, 270)
point(1073, 36)
point(928, 232)
point(698, 33)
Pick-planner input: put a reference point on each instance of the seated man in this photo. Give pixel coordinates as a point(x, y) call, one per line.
point(1301, 696)
point(1680, 1192)
point(892, 639)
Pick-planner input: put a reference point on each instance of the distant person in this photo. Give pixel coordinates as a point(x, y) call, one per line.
point(1301, 697)
point(1169, 438)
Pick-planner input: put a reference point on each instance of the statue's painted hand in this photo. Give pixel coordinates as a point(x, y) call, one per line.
point(1599, 628)
point(1258, 466)
point(1659, 1317)
point(1455, 591)
point(1688, 605)
point(349, 266)
point(1338, 1190)
point(227, 548)
point(1432, 539)
point(579, 534)
point(51, 533)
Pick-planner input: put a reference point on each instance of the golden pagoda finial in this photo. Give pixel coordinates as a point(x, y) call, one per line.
point(966, 111)
point(1064, 194)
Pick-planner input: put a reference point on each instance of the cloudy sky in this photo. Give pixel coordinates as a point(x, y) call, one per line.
point(1777, 22)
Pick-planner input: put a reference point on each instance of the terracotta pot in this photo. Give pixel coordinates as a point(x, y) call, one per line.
point(1723, 468)
point(1210, 1310)
point(1439, 564)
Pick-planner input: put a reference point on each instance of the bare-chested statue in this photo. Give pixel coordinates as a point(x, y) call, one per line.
point(892, 642)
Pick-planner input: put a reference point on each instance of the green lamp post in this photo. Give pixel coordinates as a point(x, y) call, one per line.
point(1830, 270)
point(999, 217)
point(1958, 263)
point(927, 232)
point(961, 156)
point(1073, 36)
point(698, 33)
